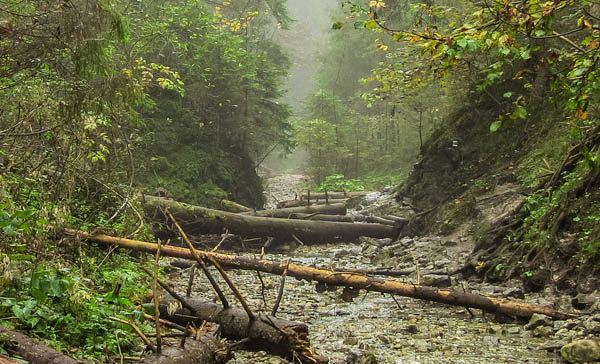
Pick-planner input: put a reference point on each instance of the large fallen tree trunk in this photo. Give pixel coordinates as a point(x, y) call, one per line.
point(332, 209)
point(272, 334)
point(32, 350)
point(451, 297)
point(208, 349)
point(199, 220)
point(298, 203)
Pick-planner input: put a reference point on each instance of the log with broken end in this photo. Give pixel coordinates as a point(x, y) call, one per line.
point(208, 349)
point(269, 333)
point(345, 279)
point(197, 220)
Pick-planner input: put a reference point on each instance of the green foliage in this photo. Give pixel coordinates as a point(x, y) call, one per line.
point(337, 182)
point(64, 307)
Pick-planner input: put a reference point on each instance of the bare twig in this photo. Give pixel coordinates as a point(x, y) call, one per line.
point(201, 263)
point(280, 292)
point(137, 330)
point(174, 294)
point(156, 298)
point(188, 293)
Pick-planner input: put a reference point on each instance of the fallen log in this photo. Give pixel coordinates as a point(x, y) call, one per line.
point(34, 351)
point(231, 206)
point(208, 349)
point(360, 281)
point(332, 209)
point(281, 337)
point(319, 217)
point(311, 202)
point(332, 195)
point(381, 220)
point(199, 220)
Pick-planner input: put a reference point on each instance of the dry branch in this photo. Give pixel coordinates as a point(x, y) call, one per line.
point(451, 297)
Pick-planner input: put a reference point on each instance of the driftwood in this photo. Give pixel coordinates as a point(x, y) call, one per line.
point(278, 336)
point(199, 220)
point(331, 209)
point(354, 280)
point(35, 351)
point(208, 349)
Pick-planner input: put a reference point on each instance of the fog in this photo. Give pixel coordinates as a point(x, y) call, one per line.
point(304, 43)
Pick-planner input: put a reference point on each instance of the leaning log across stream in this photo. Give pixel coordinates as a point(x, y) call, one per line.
point(200, 220)
point(344, 279)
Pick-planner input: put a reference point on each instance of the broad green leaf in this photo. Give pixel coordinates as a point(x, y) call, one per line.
point(495, 126)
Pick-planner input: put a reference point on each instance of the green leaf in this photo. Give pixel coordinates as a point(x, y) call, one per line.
point(495, 126)
point(519, 113)
point(508, 95)
point(370, 24)
point(337, 25)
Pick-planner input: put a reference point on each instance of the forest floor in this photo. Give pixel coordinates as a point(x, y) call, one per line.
point(377, 328)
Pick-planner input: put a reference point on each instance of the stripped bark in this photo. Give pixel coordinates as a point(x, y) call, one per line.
point(199, 220)
point(347, 279)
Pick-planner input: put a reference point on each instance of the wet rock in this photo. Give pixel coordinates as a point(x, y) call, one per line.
point(384, 339)
point(436, 280)
point(422, 346)
point(514, 330)
point(581, 351)
point(407, 242)
point(537, 281)
point(441, 263)
point(412, 329)
point(591, 325)
point(543, 331)
point(449, 243)
point(490, 340)
point(384, 242)
point(514, 293)
point(583, 301)
point(341, 253)
point(538, 320)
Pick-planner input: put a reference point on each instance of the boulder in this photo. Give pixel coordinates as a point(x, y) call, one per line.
point(581, 351)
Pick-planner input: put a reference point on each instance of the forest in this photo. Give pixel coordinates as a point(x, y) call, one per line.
point(427, 172)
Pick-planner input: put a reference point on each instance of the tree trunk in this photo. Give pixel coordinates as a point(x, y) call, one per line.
point(207, 350)
point(451, 297)
point(35, 351)
point(267, 333)
point(199, 220)
point(320, 201)
point(331, 209)
point(231, 206)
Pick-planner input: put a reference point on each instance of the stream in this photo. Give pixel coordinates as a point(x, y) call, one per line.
point(378, 328)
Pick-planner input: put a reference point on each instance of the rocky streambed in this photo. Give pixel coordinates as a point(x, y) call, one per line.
point(378, 328)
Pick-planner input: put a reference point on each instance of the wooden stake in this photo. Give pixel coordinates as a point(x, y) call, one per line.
point(156, 299)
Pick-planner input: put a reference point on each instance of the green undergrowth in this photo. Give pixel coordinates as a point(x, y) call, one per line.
point(62, 290)
point(69, 306)
point(371, 182)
